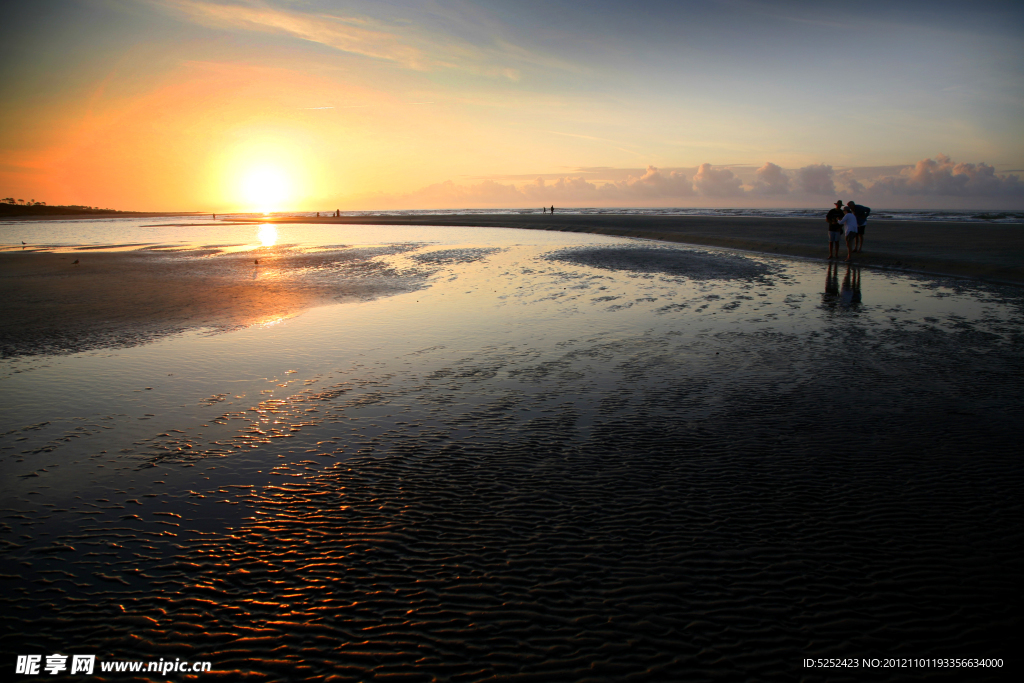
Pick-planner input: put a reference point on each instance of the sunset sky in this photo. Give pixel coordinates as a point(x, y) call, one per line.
point(316, 105)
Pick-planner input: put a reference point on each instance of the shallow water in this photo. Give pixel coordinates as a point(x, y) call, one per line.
point(570, 455)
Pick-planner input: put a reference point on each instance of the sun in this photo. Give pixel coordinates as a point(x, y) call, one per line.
point(265, 188)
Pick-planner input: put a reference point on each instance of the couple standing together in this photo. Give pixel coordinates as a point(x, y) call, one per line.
point(851, 220)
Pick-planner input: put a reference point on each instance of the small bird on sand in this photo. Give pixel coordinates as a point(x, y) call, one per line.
point(75, 262)
point(256, 261)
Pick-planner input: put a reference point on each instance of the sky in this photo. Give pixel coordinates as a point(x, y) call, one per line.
point(254, 105)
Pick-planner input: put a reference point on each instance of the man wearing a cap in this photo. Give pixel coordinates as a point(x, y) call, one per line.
point(835, 230)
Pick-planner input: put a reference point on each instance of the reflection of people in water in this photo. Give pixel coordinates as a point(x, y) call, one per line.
point(832, 281)
point(850, 294)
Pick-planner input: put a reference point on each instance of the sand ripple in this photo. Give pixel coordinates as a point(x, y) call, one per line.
point(679, 529)
point(678, 500)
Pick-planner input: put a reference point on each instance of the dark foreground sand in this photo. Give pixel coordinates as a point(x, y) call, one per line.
point(994, 252)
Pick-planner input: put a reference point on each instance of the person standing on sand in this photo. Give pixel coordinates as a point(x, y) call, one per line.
point(861, 212)
point(552, 209)
point(849, 222)
point(834, 229)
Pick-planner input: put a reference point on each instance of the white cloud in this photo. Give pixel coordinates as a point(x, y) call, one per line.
point(717, 182)
point(770, 185)
point(562, 189)
point(816, 179)
point(402, 42)
point(347, 34)
point(771, 180)
point(942, 176)
point(653, 183)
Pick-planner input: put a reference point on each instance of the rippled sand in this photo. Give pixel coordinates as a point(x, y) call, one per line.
point(609, 461)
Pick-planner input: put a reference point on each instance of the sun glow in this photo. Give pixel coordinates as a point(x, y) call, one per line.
point(267, 235)
point(266, 188)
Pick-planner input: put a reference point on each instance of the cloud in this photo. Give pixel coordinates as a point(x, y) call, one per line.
point(771, 180)
point(448, 194)
point(816, 179)
point(416, 49)
point(341, 33)
point(770, 185)
point(942, 176)
point(653, 183)
point(562, 189)
point(850, 184)
point(653, 186)
point(717, 183)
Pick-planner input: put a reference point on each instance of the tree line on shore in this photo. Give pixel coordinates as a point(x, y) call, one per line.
point(9, 206)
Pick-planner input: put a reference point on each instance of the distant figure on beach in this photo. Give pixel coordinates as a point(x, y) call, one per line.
point(849, 223)
point(337, 213)
point(214, 216)
point(552, 209)
point(835, 230)
point(318, 214)
point(862, 213)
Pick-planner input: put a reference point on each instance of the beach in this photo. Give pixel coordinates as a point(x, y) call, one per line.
point(399, 450)
point(978, 250)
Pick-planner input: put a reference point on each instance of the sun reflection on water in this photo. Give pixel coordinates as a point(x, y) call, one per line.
point(267, 235)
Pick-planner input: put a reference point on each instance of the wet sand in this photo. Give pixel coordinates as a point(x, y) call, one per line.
point(992, 252)
point(52, 305)
point(613, 462)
